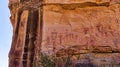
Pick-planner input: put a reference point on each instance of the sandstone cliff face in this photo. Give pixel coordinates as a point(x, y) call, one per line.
point(65, 27)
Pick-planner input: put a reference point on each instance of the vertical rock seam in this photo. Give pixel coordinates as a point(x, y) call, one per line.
point(29, 21)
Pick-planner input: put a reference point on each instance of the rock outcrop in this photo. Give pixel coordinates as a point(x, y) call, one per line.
point(84, 28)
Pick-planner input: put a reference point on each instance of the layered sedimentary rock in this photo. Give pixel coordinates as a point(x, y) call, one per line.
point(89, 29)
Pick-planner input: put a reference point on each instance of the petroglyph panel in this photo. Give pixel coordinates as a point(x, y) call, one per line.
point(90, 26)
point(86, 31)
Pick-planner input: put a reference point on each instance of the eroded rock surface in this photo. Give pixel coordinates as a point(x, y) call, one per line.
point(84, 28)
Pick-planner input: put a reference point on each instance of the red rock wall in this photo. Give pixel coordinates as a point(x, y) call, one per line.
point(65, 27)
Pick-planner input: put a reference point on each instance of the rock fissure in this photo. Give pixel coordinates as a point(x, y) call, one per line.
point(28, 55)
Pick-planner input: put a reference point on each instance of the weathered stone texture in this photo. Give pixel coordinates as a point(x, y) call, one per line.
point(81, 1)
point(65, 27)
point(92, 26)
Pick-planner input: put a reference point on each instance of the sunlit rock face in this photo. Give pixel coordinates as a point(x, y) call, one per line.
point(86, 30)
